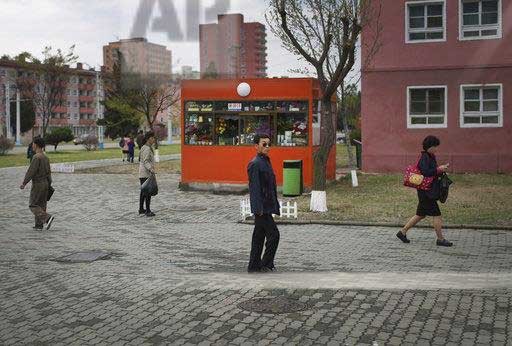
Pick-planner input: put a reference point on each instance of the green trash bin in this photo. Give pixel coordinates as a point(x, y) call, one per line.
point(292, 178)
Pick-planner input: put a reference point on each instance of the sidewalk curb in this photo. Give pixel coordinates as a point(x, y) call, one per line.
point(379, 224)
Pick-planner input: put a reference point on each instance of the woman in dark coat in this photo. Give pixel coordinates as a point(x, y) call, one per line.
point(427, 199)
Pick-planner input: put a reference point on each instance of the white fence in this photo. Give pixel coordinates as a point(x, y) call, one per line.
point(62, 168)
point(287, 209)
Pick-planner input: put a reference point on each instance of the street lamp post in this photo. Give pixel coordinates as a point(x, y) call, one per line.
point(18, 118)
point(8, 110)
point(98, 112)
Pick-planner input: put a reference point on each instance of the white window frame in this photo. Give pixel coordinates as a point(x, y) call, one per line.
point(410, 125)
point(500, 105)
point(480, 27)
point(407, 3)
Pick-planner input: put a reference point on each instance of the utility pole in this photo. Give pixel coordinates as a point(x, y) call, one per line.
point(8, 109)
point(18, 118)
point(98, 109)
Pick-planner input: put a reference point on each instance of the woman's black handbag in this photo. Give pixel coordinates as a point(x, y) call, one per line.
point(150, 187)
point(444, 187)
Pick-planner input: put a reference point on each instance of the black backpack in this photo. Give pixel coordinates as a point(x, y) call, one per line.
point(121, 143)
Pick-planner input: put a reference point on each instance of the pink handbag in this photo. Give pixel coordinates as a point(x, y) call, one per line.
point(413, 178)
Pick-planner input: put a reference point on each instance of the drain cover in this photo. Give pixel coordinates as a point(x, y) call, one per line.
point(84, 257)
point(273, 305)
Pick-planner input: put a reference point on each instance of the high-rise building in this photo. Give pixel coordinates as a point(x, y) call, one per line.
point(138, 55)
point(232, 48)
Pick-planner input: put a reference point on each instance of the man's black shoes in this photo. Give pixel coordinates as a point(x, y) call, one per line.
point(402, 237)
point(150, 214)
point(444, 242)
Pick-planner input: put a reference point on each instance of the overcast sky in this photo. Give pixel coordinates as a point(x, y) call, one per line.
point(29, 25)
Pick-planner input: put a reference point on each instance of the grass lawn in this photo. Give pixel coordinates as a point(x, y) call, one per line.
point(474, 199)
point(11, 160)
point(172, 166)
point(342, 155)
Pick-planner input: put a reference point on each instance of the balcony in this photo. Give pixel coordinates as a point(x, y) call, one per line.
point(86, 110)
point(87, 122)
point(86, 98)
point(86, 87)
point(58, 121)
point(60, 109)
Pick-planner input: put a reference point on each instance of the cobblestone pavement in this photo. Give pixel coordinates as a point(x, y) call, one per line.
point(179, 278)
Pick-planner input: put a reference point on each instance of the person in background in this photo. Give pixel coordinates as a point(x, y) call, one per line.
point(427, 200)
point(39, 173)
point(30, 151)
point(131, 149)
point(140, 140)
point(146, 169)
point(124, 148)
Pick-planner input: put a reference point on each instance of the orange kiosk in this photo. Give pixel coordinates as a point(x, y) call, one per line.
point(221, 117)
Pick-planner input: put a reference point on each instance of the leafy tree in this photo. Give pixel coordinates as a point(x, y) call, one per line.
point(119, 118)
point(45, 81)
point(59, 135)
point(27, 115)
point(325, 34)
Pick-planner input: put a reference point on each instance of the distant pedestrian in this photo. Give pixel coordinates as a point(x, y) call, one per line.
point(30, 151)
point(124, 148)
point(40, 175)
point(140, 140)
point(427, 199)
point(264, 203)
point(146, 169)
point(131, 149)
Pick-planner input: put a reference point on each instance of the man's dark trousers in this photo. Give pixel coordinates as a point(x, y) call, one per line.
point(264, 227)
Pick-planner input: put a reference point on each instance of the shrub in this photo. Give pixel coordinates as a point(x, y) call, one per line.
point(91, 143)
point(5, 145)
point(58, 135)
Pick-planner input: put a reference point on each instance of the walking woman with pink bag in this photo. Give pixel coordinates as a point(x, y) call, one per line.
point(428, 194)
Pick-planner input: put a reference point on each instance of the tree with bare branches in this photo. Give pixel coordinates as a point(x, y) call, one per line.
point(146, 94)
point(325, 34)
point(44, 81)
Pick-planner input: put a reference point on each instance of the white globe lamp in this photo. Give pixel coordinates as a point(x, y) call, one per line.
point(243, 89)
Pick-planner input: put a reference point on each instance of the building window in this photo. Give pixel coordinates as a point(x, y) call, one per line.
point(481, 105)
point(480, 19)
point(74, 92)
point(426, 106)
point(425, 21)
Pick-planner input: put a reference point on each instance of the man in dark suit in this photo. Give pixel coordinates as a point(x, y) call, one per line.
point(264, 203)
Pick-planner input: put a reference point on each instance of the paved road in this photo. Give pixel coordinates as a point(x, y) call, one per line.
point(179, 278)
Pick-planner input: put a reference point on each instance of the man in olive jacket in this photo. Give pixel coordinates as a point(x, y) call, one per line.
point(40, 175)
point(264, 203)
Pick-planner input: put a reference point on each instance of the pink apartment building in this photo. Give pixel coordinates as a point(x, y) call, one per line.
point(80, 108)
point(232, 48)
point(444, 68)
